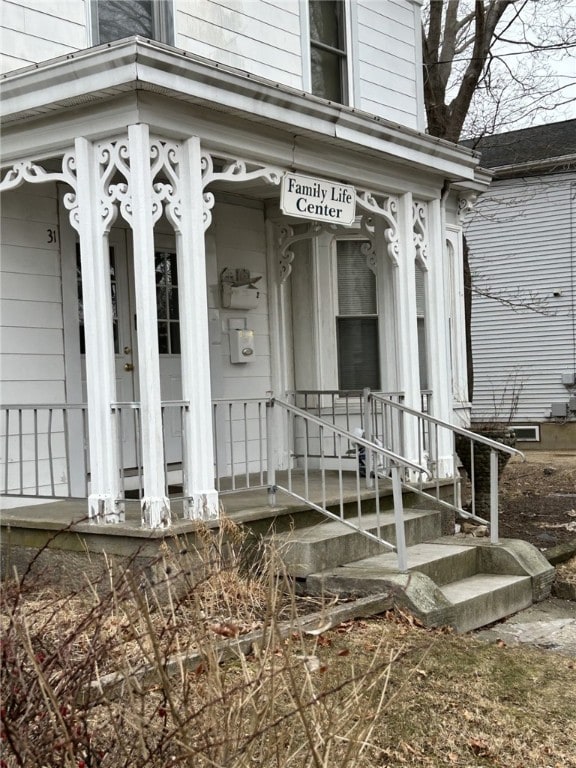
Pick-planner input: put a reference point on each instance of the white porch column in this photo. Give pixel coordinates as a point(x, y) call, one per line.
point(155, 504)
point(198, 462)
point(439, 338)
point(406, 325)
point(104, 504)
point(454, 269)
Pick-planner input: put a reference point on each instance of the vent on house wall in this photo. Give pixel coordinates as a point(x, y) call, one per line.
point(527, 434)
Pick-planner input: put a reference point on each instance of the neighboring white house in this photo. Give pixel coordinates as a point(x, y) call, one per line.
point(175, 186)
point(522, 238)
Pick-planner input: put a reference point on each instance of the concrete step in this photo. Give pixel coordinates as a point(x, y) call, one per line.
point(487, 597)
point(443, 562)
point(305, 551)
point(463, 585)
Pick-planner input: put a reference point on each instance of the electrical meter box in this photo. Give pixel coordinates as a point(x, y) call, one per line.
point(242, 346)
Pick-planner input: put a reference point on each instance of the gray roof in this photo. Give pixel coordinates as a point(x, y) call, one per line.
point(527, 145)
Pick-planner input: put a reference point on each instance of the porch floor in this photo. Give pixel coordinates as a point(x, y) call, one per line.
point(242, 506)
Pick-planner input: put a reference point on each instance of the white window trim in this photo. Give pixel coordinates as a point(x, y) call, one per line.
point(324, 265)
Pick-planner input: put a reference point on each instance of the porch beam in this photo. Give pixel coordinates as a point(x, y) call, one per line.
point(104, 500)
point(155, 505)
point(201, 497)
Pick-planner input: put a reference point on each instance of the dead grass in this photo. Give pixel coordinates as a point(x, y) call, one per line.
point(379, 692)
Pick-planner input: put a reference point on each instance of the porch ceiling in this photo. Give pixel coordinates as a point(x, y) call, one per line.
point(98, 75)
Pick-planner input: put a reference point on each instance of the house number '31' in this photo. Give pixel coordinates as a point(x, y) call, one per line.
point(51, 236)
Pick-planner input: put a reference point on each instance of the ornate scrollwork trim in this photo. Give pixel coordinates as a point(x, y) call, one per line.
point(420, 228)
point(385, 206)
point(27, 171)
point(466, 205)
point(233, 170)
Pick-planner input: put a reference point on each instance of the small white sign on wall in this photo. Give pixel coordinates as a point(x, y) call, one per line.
point(308, 198)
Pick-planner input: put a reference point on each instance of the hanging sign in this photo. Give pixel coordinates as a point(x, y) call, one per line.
point(317, 199)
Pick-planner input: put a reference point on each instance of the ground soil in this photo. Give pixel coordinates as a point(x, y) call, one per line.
point(538, 499)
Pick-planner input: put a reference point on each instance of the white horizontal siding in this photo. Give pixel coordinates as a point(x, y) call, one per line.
point(521, 247)
point(387, 60)
point(240, 242)
point(35, 30)
point(259, 37)
point(32, 362)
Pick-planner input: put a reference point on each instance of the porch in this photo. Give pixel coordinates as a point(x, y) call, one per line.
point(332, 453)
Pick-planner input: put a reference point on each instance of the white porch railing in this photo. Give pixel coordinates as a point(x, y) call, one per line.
point(240, 444)
point(44, 450)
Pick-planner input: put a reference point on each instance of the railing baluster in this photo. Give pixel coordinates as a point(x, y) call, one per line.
point(120, 426)
point(260, 443)
point(140, 468)
point(494, 497)
point(183, 447)
point(6, 451)
point(340, 478)
point(165, 426)
point(231, 435)
point(50, 453)
point(36, 455)
point(85, 438)
point(306, 456)
point(246, 456)
point(215, 443)
point(323, 466)
point(67, 449)
point(20, 454)
point(270, 460)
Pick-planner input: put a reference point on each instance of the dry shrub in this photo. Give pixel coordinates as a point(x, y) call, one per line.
point(133, 675)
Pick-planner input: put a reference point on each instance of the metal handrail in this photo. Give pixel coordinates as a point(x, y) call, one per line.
point(473, 437)
point(397, 465)
point(452, 427)
point(395, 457)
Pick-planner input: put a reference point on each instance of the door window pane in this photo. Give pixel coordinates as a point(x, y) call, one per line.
point(167, 303)
point(113, 299)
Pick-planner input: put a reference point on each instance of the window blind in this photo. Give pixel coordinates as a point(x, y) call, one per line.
point(356, 281)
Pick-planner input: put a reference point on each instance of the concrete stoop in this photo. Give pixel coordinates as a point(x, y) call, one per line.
point(453, 581)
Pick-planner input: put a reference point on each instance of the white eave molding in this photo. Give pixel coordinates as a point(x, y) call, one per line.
point(96, 74)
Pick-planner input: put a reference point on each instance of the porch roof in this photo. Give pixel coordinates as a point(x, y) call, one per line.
point(96, 75)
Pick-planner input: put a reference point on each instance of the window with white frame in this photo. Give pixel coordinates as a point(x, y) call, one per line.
point(328, 59)
point(116, 19)
point(356, 319)
point(421, 324)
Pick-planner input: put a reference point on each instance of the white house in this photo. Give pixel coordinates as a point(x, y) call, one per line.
point(204, 203)
point(522, 251)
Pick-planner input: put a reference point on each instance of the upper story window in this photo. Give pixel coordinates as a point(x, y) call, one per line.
point(328, 49)
point(116, 19)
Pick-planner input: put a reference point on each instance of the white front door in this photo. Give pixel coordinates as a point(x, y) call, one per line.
point(168, 311)
point(125, 341)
